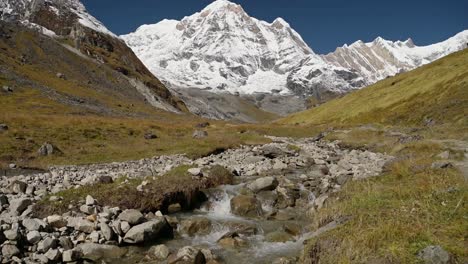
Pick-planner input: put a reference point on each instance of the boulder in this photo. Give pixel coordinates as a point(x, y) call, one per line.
point(159, 252)
point(95, 252)
point(10, 250)
point(132, 216)
point(244, 205)
point(435, 255)
point(263, 184)
point(32, 224)
point(195, 226)
point(148, 231)
point(199, 134)
point(47, 149)
point(17, 206)
point(18, 187)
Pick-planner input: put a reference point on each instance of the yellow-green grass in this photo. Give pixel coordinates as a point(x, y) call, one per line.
point(437, 91)
point(395, 215)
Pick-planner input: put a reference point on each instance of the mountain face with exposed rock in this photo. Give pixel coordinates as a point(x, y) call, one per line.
point(69, 22)
point(223, 49)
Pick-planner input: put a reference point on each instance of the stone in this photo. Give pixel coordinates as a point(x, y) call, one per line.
point(94, 237)
point(18, 187)
point(444, 155)
point(47, 149)
point(46, 244)
point(56, 221)
point(278, 236)
point(17, 206)
point(194, 171)
point(12, 166)
point(60, 75)
point(272, 152)
point(66, 243)
point(12, 234)
point(89, 210)
point(33, 237)
point(320, 201)
point(187, 253)
point(263, 184)
point(95, 252)
point(195, 226)
point(81, 224)
point(149, 136)
point(132, 216)
point(90, 200)
point(441, 165)
point(199, 134)
point(174, 208)
point(148, 231)
point(71, 255)
point(53, 254)
point(159, 252)
point(10, 250)
point(32, 224)
point(125, 226)
point(104, 179)
point(244, 205)
point(7, 89)
point(107, 232)
point(231, 240)
point(435, 255)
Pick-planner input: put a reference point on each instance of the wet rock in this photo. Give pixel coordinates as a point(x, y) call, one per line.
point(10, 250)
point(244, 205)
point(95, 252)
point(195, 226)
point(148, 231)
point(159, 252)
point(263, 184)
point(199, 134)
point(132, 216)
point(231, 240)
point(435, 255)
point(17, 206)
point(174, 208)
point(47, 149)
point(278, 236)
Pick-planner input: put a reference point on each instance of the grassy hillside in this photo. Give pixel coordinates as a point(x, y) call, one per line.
point(438, 91)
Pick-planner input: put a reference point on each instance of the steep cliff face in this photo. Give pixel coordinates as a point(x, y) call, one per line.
point(69, 21)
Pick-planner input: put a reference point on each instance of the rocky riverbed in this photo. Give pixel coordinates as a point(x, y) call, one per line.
point(262, 217)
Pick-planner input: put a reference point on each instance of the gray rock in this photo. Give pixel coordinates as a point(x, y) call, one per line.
point(10, 250)
point(132, 216)
point(90, 200)
point(434, 255)
point(94, 237)
point(46, 244)
point(33, 237)
point(125, 226)
point(66, 243)
point(149, 136)
point(32, 224)
point(80, 224)
point(89, 210)
point(159, 252)
point(53, 254)
point(3, 201)
point(441, 165)
point(56, 221)
point(272, 152)
point(47, 149)
point(263, 184)
point(18, 187)
point(12, 166)
point(147, 231)
point(7, 89)
point(17, 206)
point(12, 234)
point(95, 252)
point(444, 155)
point(199, 134)
point(194, 171)
point(71, 255)
point(107, 232)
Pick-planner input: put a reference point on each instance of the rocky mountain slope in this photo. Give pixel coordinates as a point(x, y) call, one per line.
point(381, 58)
point(223, 49)
point(68, 22)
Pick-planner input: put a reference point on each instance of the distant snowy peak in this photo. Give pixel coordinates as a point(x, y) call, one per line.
point(222, 48)
point(43, 14)
point(381, 58)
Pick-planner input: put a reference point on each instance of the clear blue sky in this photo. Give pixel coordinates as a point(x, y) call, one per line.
point(324, 24)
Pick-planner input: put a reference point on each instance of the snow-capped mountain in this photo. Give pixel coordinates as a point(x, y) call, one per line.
point(381, 58)
point(26, 11)
point(222, 48)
